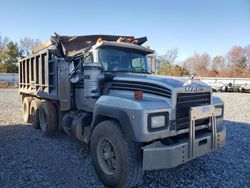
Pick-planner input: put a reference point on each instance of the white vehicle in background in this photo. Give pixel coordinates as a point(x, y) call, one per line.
point(245, 88)
point(217, 86)
point(228, 84)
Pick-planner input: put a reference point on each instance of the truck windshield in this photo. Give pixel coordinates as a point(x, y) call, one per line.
point(123, 60)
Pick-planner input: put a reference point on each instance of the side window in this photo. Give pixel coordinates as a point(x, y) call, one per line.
point(138, 64)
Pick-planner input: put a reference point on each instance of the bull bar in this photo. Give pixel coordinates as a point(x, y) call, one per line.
point(160, 156)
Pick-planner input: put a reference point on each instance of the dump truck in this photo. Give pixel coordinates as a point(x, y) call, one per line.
point(101, 90)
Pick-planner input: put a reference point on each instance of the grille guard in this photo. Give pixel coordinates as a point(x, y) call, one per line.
point(197, 113)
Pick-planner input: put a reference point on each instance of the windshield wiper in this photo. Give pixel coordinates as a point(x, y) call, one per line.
point(144, 72)
point(120, 71)
point(129, 71)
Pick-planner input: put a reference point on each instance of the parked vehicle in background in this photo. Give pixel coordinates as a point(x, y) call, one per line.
point(227, 84)
point(99, 89)
point(245, 88)
point(217, 86)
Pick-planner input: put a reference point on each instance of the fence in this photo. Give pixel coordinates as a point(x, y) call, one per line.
point(9, 77)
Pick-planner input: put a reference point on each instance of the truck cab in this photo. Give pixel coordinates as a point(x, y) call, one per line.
point(101, 90)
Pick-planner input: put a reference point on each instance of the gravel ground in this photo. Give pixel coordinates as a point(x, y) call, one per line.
point(28, 159)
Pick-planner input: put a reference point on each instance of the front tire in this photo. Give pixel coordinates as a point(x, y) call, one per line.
point(116, 159)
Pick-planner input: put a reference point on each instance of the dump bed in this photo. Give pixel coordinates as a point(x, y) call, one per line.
point(38, 75)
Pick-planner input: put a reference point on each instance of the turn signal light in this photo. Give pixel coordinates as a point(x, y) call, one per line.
point(128, 40)
point(138, 95)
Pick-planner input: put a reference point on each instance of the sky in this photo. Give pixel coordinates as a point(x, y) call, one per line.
point(212, 26)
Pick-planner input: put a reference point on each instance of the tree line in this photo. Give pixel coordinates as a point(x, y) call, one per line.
point(236, 63)
point(10, 51)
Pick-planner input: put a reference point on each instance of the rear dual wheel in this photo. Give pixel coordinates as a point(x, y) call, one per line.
point(48, 118)
point(34, 113)
point(41, 114)
point(26, 109)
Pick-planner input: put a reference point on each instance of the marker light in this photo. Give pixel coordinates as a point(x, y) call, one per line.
point(135, 42)
point(99, 40)
point(128, 40)
point(120, 39)
point(138, 95)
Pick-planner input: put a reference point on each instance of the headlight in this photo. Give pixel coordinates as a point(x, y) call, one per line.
point(157, 121)
point(218, 112)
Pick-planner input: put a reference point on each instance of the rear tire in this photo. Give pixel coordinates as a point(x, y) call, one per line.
point(116, 159)
point(26, 109)
point(48, 118)
point(34, 113)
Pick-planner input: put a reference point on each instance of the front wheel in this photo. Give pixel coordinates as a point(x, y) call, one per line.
point(116, 159)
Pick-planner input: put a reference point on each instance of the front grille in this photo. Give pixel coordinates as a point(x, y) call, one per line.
point(141, 86)
point(184, 102)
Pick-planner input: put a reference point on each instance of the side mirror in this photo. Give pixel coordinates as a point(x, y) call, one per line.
point(152, 63)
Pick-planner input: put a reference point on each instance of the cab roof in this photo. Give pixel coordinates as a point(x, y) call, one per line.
point(123, 45)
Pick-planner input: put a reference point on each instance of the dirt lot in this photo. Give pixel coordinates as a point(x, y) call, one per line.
point(28, 159)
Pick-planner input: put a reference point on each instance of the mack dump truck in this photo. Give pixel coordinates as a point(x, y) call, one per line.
point(99, 89)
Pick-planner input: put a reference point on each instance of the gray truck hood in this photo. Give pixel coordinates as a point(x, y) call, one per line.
point(170, 82)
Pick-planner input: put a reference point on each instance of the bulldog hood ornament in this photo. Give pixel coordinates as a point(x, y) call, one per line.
point(189, 81)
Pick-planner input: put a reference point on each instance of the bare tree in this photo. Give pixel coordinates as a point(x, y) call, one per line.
point(237, 60)
point(171, 55)
point(27, 44)
point(198, 63)
point(3, 44)
point(247, 54)
point(218, 64)
point(167, 60)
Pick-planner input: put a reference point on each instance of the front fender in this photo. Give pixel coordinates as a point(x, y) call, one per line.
point(217, 101)
point(130, 113)
point(116, 108)
point(103, 112)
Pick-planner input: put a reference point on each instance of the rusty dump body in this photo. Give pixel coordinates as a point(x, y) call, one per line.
point(38, 73)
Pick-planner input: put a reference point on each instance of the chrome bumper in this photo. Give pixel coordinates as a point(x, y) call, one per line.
point(160, 156)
